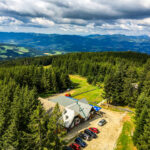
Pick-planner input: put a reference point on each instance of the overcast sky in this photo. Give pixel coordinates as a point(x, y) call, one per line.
point(131, 17)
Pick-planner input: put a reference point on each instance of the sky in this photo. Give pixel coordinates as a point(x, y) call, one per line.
point(83, 17)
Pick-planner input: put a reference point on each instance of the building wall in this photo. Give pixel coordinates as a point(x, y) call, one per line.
point(68, 117)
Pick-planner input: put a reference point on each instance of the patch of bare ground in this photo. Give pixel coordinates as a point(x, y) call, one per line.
point(59, 94)
point(126, 118)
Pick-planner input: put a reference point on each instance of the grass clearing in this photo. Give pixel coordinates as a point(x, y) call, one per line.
point(48, 66)
point(53, 53)
point(57, 52)
point(81, 85)
point(125, 141)
point(21, 53)
point(19, 50)
point(111, 108)
point(3, 51)
point(46, 94)
point(3, 56)
point(22, 49)
point(8, 47)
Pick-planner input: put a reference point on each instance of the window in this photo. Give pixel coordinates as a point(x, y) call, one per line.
point(67, 117)
point(65, 111)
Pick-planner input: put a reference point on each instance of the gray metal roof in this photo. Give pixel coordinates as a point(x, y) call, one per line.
point(83, 100)
point(63, 100)
point(82, 107)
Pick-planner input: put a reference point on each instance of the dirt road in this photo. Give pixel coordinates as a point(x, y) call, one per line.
point(109, 133)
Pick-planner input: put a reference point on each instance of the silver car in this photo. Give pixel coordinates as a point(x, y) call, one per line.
point(102, 122)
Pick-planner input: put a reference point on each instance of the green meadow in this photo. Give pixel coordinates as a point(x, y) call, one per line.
point(81, 85)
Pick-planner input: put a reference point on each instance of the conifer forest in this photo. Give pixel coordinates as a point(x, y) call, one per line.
point(25, 125)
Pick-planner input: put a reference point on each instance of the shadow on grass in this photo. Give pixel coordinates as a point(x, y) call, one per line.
point(46, 94)
point(75, 85)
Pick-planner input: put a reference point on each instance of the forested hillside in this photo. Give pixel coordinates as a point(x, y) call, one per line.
point(23, 122)
point(48, 44)
point(126, 78)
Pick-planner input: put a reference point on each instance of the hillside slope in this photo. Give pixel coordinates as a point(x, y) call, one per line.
point(12, 51)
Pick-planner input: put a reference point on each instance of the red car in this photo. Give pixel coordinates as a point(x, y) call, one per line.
point(95, 130)
point(75, 146)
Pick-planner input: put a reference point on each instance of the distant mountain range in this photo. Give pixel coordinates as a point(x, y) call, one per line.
point(49, 44)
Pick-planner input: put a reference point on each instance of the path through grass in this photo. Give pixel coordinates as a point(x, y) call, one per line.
point(125, 141)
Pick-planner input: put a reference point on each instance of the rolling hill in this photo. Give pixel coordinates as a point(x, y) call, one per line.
point(49, 44)
point(8, 51)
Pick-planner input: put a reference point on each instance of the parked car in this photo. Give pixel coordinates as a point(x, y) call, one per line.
point(67, 148)
point(85, 136)
point(95, 130)
point(68, 89)
point(68, 95)
point(89, 132)
point(75, 146)
point(79, 141)
point(102, 122)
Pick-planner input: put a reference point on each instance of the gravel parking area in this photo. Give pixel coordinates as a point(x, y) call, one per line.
point(109, 133)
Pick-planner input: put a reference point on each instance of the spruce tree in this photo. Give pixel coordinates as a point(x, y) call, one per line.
point(37, 127)
point(11, 137)
point(55, 130)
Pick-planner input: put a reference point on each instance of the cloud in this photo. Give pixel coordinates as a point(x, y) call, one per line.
point(77, 16)
point(42, 22)
point(5, 21)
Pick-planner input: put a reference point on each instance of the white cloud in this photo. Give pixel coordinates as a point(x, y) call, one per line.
point(42, 21)
point(90, 25)
point(145, 21)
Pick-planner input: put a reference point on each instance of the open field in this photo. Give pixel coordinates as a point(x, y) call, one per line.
point(48, 66)
point(23, 49)
point(8, 51)
point(20, 49)
point(8, 47)
point(53, 53)
point(93, 97)
point(3, 56)
point(57, 52)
